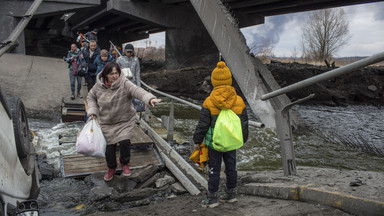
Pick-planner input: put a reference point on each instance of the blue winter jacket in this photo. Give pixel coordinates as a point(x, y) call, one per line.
point(100, 64)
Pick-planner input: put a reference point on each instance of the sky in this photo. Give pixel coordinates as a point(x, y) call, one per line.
point(366, 29)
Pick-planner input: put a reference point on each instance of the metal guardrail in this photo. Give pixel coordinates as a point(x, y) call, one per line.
point(283, 126)
point(252, 123)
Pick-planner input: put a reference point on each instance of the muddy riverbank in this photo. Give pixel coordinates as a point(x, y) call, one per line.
point(361, 87)
point(42, 83)
point(95, 197)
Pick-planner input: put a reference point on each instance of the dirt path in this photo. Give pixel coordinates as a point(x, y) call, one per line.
point(334, 183)
point(246, 205)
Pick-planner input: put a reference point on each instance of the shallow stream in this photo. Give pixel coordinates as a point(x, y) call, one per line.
point(316, 146)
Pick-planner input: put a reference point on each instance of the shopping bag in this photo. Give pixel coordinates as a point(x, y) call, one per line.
point(127, 73)
point(91, 141)
point(227, 134)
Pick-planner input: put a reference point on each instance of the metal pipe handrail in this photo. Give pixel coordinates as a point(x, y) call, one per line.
point(325, 76)
point(252, 123)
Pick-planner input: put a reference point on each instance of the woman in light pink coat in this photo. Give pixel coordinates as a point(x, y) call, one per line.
point(110, 101)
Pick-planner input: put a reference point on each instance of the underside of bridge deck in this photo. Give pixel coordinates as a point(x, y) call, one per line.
point(55, 24)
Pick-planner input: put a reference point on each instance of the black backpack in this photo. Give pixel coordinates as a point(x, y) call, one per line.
point(82, 68)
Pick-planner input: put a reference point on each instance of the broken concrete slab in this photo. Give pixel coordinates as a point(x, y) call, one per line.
point(166, 180)
point(133, 195)
point(142, 175)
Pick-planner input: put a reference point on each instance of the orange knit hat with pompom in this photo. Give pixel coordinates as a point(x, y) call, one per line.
point(221, 75)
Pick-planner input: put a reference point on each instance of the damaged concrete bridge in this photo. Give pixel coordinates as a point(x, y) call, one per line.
point(196, 32)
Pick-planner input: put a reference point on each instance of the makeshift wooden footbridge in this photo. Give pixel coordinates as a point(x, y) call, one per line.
point(148, 148)
point(142, 154)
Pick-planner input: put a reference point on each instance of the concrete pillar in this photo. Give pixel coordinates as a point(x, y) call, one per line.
point(185, 47)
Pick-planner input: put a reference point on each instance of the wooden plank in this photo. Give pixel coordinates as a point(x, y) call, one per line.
point(139, 137)
point(72, 118)
point(80, 165)
point(76, 113)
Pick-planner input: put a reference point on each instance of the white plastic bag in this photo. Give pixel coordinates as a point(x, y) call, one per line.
point(91, 141)
point(127, 73)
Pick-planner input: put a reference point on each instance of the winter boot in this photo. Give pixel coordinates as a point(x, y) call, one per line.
point(109, 174)
point(126, 170)
point(228, 195)
point(210, 201)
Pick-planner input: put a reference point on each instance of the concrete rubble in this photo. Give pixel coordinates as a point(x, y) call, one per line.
point(331, 187)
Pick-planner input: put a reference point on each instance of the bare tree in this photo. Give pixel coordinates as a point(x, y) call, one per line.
point(262, 49)
point(294, 54)
point(324, 33)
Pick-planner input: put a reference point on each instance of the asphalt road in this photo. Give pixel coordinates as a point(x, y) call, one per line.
point(40, 82)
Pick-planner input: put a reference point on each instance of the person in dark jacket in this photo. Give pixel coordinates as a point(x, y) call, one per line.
point(102, 60)
point(72, 57)
point(223, 96)
point(90, 54)
point(92, 35)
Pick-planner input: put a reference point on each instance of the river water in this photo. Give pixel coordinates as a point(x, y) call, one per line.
point(334, 138)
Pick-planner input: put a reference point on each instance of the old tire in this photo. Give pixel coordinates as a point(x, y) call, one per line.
point(20, 126)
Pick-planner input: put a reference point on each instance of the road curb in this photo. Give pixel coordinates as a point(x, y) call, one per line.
point(306, 193)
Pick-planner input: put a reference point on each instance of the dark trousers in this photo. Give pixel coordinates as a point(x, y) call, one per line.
point(91, 80)
point(214, 163)
point(72, 80)
point(125, 154)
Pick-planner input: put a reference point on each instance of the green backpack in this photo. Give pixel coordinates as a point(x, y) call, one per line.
point(227, 134)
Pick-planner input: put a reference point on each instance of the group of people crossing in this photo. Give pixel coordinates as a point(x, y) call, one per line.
point(96, 59)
